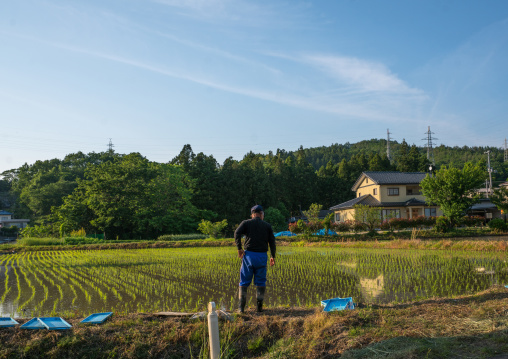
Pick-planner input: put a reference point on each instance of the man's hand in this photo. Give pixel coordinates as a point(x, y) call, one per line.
point(272, 262)
point(240, 253)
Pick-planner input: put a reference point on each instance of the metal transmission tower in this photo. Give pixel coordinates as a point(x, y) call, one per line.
point(110, 146)
point(489, 169)
point(430, 153)
point(388, 144)
point(505, 151)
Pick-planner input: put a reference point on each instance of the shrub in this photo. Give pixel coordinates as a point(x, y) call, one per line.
point(212, 229)
point(327, 222)
point(399, 223)
point(79, 233)
point(385, 225)
point(35, 241)
point(42, 231)
point(81, 240)
point(181, 237)
point(10, 231)
point(443, 224)
point(473, 221)
point(497, 224)
point(341, 226)
point(297, 227)
point(313, 227)
point(419, 221)
point(357, 226)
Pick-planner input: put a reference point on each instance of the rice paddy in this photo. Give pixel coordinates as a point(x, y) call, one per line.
point(61, 283)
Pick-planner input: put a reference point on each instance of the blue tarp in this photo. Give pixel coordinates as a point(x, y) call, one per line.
point(284, 234)
point(96, 318)
point(7, 322)
point(51, 323)
point(338, 304)
point(322, 232)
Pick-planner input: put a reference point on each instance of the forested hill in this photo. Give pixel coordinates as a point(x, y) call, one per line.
point(443, 155)
point(126, 195)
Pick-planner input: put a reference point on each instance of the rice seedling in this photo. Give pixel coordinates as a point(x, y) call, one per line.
point(185, 279)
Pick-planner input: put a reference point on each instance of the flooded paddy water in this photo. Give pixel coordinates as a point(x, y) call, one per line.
point(185, 279)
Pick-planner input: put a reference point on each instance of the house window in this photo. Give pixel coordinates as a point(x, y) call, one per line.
point(359, 194)
point(337, 217)
point(393, 191)
point(374, 191)
point(430, 212)
point(366, 180)
point(413, 191)
point(5, 218)
point(390, 213)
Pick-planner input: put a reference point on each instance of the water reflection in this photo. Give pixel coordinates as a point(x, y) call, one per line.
point(372, 288)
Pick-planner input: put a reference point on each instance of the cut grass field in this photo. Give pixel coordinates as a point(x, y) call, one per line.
point(474, 326)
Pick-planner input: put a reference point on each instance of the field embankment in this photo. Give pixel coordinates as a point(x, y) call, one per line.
point(474, 326)
point(482, 243)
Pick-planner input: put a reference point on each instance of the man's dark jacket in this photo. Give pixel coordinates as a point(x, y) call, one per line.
point(258, 235)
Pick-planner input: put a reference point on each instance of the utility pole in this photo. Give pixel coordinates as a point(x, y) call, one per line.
point(430, 153)
point(489, 187)
point(110, 146)
point(388, 144)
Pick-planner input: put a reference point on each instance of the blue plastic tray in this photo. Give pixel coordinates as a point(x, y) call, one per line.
point(7, 322)
point(33, 323)
point(96, 318)
point(55, 323)
point(337, 304)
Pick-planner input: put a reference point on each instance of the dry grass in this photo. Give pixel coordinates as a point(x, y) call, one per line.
point(471, 326)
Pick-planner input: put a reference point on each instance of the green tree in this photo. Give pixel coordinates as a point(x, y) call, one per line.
point(454, 190)
point(410, 159)
point(212, 229)
point(312, 213)
point(368, 215)
point(500, 198)
point(276, 219)
point(130, 197)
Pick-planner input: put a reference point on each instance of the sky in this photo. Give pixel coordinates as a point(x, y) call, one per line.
point(233, 76)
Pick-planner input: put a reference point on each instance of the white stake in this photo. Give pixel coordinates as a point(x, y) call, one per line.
point(213, 331)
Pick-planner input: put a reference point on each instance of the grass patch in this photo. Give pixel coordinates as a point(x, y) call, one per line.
point(437, 328)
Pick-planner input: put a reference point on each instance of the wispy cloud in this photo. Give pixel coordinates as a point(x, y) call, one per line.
point(344, 86)
point(216, 10)
point(361, 74)
point(330, 103)
point(196, 5)
point(241, 12)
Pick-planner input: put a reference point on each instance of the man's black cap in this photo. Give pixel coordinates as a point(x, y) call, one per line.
point(256, 209)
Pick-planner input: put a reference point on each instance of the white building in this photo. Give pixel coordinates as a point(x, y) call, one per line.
point(7, 221)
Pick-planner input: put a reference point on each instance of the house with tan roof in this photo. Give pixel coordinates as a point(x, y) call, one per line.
point(398, 194)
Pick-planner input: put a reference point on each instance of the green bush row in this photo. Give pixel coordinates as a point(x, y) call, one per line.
point(498, 224)
point(181, 237)
point(33, 241)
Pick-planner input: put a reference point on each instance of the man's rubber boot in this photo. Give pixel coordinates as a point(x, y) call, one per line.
point(260, 296)
point(242, 295)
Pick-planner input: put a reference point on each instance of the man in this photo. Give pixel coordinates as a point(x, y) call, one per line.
point(258, 236)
